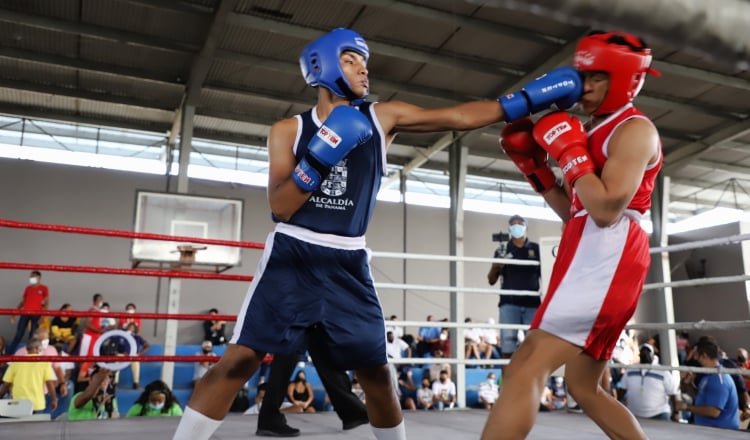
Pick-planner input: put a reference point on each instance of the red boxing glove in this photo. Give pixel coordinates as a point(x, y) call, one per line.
point(564, 138)
point(518, 143)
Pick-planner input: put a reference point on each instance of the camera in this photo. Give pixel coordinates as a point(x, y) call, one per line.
point(500, 237)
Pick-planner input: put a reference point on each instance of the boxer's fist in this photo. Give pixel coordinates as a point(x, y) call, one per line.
point(344, 129)
point(562, 86)
point(564, 138)
point(519, 145)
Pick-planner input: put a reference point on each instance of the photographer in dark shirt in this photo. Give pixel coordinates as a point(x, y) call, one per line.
point(515, 309)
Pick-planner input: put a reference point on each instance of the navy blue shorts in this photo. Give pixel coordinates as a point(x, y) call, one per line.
point(298, 285)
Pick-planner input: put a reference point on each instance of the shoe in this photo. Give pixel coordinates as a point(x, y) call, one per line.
point(575, 409)
point(354, 423)
point(278, 431)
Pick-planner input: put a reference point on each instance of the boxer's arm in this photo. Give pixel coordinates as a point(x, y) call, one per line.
point(284, 196)
point(633, 145)
point(398, 116)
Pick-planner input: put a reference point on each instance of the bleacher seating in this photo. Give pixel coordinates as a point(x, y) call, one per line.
point(183, 378)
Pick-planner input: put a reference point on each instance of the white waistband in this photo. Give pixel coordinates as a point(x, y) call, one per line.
point(328, 240)
point(632, 213)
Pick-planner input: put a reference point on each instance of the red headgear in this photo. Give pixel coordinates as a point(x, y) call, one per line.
point(624, 57)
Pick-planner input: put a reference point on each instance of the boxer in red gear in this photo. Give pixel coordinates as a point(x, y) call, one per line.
point(609, 168)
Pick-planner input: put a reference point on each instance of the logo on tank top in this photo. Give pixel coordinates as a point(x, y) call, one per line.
point(335, 183)
point(334, 186)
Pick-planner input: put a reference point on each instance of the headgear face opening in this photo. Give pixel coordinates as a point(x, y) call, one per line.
point(320, 62)
point(624, 57)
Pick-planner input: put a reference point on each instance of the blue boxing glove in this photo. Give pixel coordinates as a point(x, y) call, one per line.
point(562, 86)
point(345, 128)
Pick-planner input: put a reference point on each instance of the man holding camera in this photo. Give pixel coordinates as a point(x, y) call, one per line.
point(516, 309)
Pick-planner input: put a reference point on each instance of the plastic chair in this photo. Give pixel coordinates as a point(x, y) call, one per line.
point(16, 408)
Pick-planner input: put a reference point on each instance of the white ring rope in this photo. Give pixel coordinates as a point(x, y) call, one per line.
point(732, 239)
point(433, 257)
point(114, 366)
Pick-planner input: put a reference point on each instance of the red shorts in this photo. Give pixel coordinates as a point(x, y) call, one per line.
point(595, 284)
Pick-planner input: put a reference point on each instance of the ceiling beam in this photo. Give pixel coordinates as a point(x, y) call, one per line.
point(452, 60)
point(685, 154)
point(474, 24)
point(422, 157)
point(174, 6)
point(94, 31)
point(84, 94)
point(202, 61)
point(89, 66)
point(701, 75)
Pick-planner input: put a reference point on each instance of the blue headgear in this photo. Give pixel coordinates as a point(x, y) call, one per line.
point(320, 60)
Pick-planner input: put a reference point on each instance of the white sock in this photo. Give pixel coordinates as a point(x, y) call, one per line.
point(195, 426)
point(398, 432)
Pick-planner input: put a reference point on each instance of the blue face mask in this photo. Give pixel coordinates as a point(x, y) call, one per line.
point(156, 407)
point(517, 231)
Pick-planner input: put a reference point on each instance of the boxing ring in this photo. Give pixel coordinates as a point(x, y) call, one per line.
point(458, 423)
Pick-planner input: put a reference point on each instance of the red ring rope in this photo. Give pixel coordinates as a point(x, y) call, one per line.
point(116, 271)
point(127, 234)
point(45, 358)
point(121, 315)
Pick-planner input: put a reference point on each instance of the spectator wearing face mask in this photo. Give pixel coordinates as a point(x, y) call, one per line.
point(92, 327)
point(45, 349)
point(516, 309)
point(156, 400)
point(35, 297)
point(123, 324)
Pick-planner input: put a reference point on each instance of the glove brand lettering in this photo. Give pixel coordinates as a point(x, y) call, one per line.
point(584, 58)
point(554, 132)
point(566, 83)
point(302, 175)
point(573, 162)
point(329, 136)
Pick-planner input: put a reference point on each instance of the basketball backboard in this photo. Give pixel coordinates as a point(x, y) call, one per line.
point(188, 216)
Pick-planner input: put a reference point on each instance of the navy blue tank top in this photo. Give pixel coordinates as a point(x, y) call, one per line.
point(344, 202)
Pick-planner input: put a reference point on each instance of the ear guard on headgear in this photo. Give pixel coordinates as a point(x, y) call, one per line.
point(624, 57)
point(320, 60)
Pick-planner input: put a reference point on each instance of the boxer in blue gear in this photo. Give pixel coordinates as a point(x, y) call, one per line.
point(314, 272)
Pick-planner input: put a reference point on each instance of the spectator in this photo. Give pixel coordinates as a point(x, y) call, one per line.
point(425, 395)
point(3, 365)
point(123, 324)
point(407, 389)
point(65, 329)
point(42, 335)
point(683, 346)
point(427, 338)
point(443, 343)
point(436, 368)
point(490, 341)
point(27, 380)
point(472, 339)
point(98, 400)
point(123, 348)
point(156, 400)
point(213, 330)
point(207, 349)
point(92, 327)
point(488, 391)
point(558, 393)
point(516, 309)
point(68, 369)
point(107, 323)
point(35, 297)
point(444, 392)
point(650, 393)
point(715, 403)
point(394, 348)
point(300, 393)
point(397, 330)
point(258, 402)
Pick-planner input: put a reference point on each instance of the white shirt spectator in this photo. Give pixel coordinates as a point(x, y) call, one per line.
point(445, 390)
point(488, 390)
point(648, 391)
point(395, 348)
point(473, 335)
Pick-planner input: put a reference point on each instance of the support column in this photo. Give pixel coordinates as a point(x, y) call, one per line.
point(457, 169)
